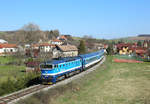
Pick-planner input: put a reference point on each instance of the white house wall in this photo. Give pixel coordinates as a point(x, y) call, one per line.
point(45, 49)
point(12, 50)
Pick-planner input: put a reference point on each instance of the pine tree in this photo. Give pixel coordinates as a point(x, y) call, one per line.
point(81, 47)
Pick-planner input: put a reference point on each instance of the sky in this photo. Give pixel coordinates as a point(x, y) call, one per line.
point(103, 19)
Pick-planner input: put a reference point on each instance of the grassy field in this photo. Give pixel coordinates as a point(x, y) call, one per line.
point(111, 83)
point(10, 71)
point(7, 59)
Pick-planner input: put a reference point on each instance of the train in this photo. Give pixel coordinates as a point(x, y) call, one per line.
point(58, 69)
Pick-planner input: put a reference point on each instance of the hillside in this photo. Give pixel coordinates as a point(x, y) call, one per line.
point(140, 38)
point(132, 39)
point(112, 83)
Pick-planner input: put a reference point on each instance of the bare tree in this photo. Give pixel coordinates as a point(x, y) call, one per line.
point(29, 33)
point(30, 27)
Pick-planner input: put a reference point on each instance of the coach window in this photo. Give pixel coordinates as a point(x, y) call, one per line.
point(55, 66)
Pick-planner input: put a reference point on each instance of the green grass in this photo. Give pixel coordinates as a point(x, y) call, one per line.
point(7, 59)
point(111, 83)
point(1, 33)
point(11, 71)
point(76, 38)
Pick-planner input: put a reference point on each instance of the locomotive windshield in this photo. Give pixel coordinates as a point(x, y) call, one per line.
point(46, 66)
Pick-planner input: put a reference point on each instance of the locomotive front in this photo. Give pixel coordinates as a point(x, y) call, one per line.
point(46, 73)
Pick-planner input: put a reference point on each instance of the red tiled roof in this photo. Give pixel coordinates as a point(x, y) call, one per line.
point(56, 40)
point(63, 37)
point(140, 50)
point(105, 45)
point(8, 45)
point(129, 45)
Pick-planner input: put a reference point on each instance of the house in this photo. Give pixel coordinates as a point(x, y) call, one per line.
point(129, 48)
point(62, 38)
point(8, 48)
point(146, 43)
point(126, 48)
point(57, 42)
point(105, 46)
point(26, 46)
point(35, 46)
point(46, 47)
point(65, 51)
point(98, 46)
point(140, 51)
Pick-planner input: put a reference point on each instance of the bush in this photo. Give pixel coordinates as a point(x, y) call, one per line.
point(10, 85)
point(109, 50)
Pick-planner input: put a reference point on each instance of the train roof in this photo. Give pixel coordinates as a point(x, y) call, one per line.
point(67, 59)
point(91, 54)
point(61, 60)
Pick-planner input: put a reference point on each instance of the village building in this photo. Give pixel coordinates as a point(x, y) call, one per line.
point(126, 48)
point(8, 49)
point(146, 43)
point(46, 47)
point(65, 51)
point(35, 46)
point(105, 46)
point(26, 46)
point(57, 42)
point(62, 38)
point(98, 46)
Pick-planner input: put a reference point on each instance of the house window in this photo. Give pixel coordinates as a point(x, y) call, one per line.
point(11, 50)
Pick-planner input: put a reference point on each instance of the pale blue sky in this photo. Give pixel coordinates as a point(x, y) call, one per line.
point(99, 18)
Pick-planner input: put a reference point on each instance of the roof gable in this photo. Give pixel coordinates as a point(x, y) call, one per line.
point(8, 45)
point(65, 48)
point(56, 40)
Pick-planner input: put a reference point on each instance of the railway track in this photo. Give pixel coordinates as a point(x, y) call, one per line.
point(14, 97)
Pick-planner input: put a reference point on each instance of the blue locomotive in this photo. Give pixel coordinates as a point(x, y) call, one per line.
point(55, 70)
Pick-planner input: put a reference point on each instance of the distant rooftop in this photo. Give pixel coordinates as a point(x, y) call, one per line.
point(65, 48)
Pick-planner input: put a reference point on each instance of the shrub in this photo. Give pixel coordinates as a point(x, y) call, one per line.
point(19, 83)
